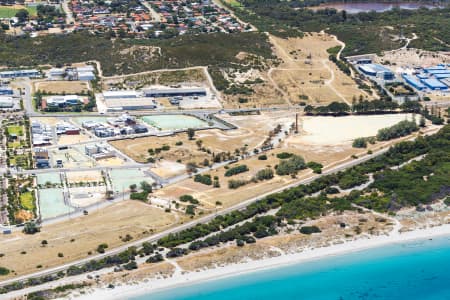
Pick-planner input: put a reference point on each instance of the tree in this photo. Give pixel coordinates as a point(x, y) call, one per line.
point(190, 133)
point(22, 15)
point(422, 121)
point(44, 243)
point(31, 228)
point(133, 187)
point(146, 187)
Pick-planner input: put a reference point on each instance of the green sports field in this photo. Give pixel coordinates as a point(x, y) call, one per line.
point(10, 11)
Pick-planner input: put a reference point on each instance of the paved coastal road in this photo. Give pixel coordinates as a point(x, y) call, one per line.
point(202, 220)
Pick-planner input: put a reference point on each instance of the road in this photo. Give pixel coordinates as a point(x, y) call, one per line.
point(190, 224)
point(69, 15)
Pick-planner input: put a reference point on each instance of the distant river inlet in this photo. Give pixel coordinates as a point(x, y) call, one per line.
point(357, 7)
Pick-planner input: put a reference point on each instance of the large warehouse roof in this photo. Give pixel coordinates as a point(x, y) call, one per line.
point(434, 84)
point(414, 82)
point(120, 94)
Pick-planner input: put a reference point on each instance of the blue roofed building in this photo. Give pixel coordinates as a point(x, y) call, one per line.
point(377, 70)
point(414, 82)
point(434, 84)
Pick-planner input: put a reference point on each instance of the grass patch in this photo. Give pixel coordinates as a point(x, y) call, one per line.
point(13, 145)
point(15, 129)
point(10, 11)
point(27, 201)
point(233, 3)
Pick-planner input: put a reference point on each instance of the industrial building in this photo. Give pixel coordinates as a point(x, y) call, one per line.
point(120, 95)
point(6, 102)
point(173, 92)
point(434, 84)
point(120, 104)
point(99, 151)
point(80, 73)
point(6, 90)
point(376, 70)
point(66, 128)
point(63, 101)
point(414, 82)
point(20, 73)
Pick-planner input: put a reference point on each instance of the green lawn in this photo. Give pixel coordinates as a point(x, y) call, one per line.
point(233, 3)
point(18, 130)
point(9, 11)
point(13, 145)
point(27, 201)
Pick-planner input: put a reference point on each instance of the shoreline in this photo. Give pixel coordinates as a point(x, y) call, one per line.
point(153, 285)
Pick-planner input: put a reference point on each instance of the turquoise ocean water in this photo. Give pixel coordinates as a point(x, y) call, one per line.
point(412, 270)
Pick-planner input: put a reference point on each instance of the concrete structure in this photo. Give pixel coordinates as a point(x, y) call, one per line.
point(119, 104)
point(120, 95)
point(376, 70)
point(63, 101)
point(99, 151)
point(6, 91)
point(56, 73)
point(6, 102)
point(363, 61)
point(86, 76)
point(66, 128)
point(41, 153)
point(20, 73)
point(172, 92)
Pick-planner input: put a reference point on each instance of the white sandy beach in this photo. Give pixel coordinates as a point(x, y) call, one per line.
point(151, 285)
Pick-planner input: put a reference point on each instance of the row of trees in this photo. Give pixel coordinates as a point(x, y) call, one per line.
point(363, 107)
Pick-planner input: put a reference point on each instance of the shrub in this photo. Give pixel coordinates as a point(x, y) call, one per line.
point(4, 271)
point(130, 266)
point(398, 130)
point(142, 196)
point(316, 167)
point(262, 157)
point(234, 184)
point(155, 258)
point(284, 155)
point(291, 165)
point(359, 143)
point(101, 248)
point(310, 229)
point(190, 210)
point(205, 179)
point(264, 174)
point(188, 198)
point(236, 170)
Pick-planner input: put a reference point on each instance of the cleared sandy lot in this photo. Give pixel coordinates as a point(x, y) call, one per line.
point(343, 130)
point(60, 87)
point(76, 237)
point(251, 133)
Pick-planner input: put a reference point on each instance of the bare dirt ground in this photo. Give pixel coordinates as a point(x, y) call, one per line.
point(167, 169)
point(410, 58)
point(72, 139)
point(85, 176)
point(208, 195)
point(76, 237)
point(60, 87)
point(138, 148)
point(252, 131)
point(169, 77)
point(304, 70)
